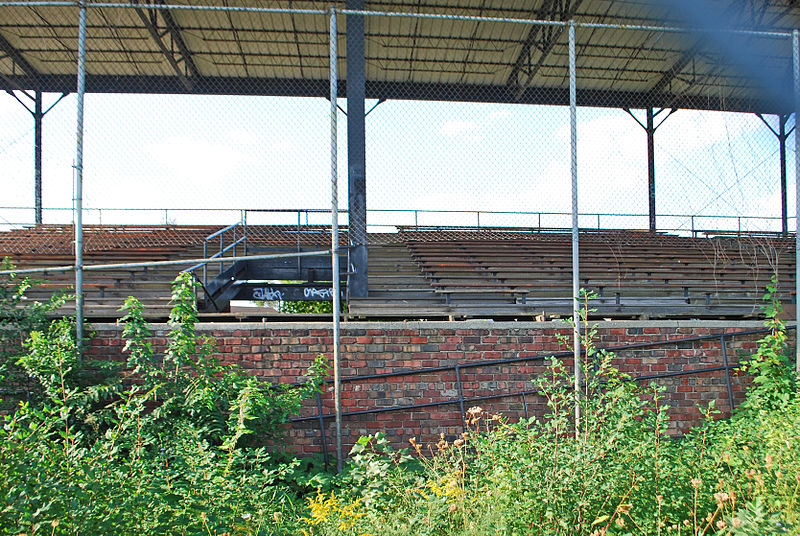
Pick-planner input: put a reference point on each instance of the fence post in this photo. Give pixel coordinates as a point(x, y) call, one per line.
point(323, 438)
point(460, 389)
point(243, 218)
point(727, 371)
point(337, 385)
point(573, 127)
point(796, 64)
point(79, 178)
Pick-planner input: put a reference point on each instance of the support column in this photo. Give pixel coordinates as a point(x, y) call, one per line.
point(651, 168)
point(650, 128)
point(356, 153)
point(783, 136)
point(38, 115)
point(38, 112)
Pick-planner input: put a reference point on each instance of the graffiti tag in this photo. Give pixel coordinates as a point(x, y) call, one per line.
point(267, 294)
point(321, 293)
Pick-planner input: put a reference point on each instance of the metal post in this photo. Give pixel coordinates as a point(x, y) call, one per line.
point(221, 249)
point(651, 167)
point(244, 222)
point(38, 115)
point(782, 137)
point(460, 389)
point(78, 216)
point(573, 127)
point(323, 439)
point(299, 265)
point(525, 406)
point(337, 386)
point(723, 344)
point(796, 63)
point(205, 256)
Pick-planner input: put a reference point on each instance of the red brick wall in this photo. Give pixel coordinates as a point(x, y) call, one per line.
point(282, 352)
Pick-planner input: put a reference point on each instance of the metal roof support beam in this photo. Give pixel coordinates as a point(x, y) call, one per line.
point(180, 44)
point(544, 38)
point(783, 135)
point(17, 57)
point(756, 18)
point(152, 29)
point(358, 285)
point(38, 119)
point(423, 91)
point(37, 112)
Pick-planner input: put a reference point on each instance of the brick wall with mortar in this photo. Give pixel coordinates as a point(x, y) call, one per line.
point(282, 352)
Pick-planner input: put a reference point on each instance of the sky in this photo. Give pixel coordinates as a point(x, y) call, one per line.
point(199, 153)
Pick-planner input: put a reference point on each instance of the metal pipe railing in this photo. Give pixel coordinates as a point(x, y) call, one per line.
point(690, 223)
point(222, 248)
point(462, 401)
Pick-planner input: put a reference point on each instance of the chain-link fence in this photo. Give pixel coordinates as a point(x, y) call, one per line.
point(490, 162)
point(194, 118)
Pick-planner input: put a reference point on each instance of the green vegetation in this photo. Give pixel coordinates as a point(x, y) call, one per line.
point(317, 307)
point(19, 316)
point(177, 445)
point(622, 475)
point(174, 447)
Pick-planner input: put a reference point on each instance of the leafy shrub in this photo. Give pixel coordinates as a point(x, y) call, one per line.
point(173, 448)
point(19, 316)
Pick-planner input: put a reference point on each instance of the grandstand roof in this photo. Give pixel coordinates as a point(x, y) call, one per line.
point(169, 49)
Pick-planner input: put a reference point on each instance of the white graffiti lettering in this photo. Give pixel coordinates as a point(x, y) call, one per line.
point(267, 294)
point(322, 293)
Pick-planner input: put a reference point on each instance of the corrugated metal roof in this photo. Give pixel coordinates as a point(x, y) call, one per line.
point(160, 49)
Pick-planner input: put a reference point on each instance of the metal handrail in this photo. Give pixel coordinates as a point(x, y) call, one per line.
point(462, 401)
point(415, 213)
point(222, 248)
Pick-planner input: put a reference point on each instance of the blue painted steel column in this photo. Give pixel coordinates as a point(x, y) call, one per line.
point(356, 153)
point(38, 116)
point(651, 167)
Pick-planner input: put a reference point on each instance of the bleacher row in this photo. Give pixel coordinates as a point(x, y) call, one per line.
point(444, 273)
point(105, 291)
point(634, 274)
